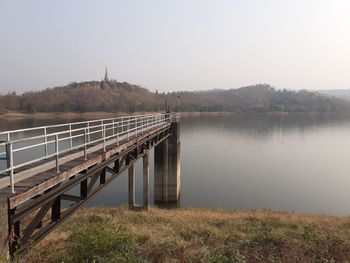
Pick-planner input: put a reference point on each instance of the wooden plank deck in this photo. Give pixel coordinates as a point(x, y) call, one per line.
point(34, 179)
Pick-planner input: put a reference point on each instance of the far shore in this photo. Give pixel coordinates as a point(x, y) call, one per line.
point(99, 115)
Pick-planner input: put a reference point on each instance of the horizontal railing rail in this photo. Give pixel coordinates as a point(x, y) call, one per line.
point(55, 140)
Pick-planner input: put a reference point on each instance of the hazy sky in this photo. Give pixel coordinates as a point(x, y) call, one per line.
point(176, 45)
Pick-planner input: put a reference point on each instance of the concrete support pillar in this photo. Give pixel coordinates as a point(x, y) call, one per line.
point(160, 171)
point(131, 183)
point(145, 180)
point(174, 165)
point(167, 178)
point(4, 230)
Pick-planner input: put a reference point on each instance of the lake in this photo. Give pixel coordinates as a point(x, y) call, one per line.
point(281, 162)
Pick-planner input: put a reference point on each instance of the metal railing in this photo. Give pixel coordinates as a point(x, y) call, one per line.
point(40, 143)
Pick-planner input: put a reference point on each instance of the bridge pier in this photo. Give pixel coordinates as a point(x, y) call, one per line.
point(145, 181)
point(167, 177)
point(160, 172)
point(131, 183)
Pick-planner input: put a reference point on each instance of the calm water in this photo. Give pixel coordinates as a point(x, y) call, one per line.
point(293, 163)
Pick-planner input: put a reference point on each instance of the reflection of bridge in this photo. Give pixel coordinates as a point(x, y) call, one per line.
point(45, 166)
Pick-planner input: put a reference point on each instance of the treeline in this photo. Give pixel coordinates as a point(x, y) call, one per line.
point(260, 98)
point(124, 97)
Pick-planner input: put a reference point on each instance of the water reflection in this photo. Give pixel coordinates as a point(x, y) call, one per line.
point(20, 123)
point(296, 162)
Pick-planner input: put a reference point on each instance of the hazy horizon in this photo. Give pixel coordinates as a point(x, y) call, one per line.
point(180, 45)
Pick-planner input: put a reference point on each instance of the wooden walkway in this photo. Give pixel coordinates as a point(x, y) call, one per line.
point(39, 177)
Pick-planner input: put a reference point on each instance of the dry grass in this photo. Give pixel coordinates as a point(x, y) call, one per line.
point(196, 235)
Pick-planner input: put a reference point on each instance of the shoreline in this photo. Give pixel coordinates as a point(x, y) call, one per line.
point(96, 115)
point(45, 115)
point(66, 115)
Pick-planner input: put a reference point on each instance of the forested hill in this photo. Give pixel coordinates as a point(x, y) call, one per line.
point(337, 93)
point(85, 96)
point(261, 98)
point(124, 97)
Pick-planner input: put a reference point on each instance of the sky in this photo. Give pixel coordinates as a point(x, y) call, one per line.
point(175, 45)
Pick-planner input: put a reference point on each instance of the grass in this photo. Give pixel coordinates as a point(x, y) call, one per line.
point(195, 235)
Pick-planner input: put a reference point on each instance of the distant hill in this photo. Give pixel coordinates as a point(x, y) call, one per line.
point(83, 97)
point(260, 98)
point(124, 97)
point(337, 93)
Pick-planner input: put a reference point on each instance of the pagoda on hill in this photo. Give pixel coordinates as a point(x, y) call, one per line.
point(106, 76)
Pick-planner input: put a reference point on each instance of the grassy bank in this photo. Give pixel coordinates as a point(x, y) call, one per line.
point(195, 235)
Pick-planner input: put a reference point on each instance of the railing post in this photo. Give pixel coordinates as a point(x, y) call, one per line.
point(128, 127)
point(56, 146)
point(70, 135)
point(85, 144)
point(113, 128)
point(136, 127)
point(104, 137)
point(7, 151)
point(88, 126)
point(9, 154)
point(117, 134)
point(142, 120)
point(45, 133)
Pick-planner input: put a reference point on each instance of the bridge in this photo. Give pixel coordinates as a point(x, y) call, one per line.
point(48, 172)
